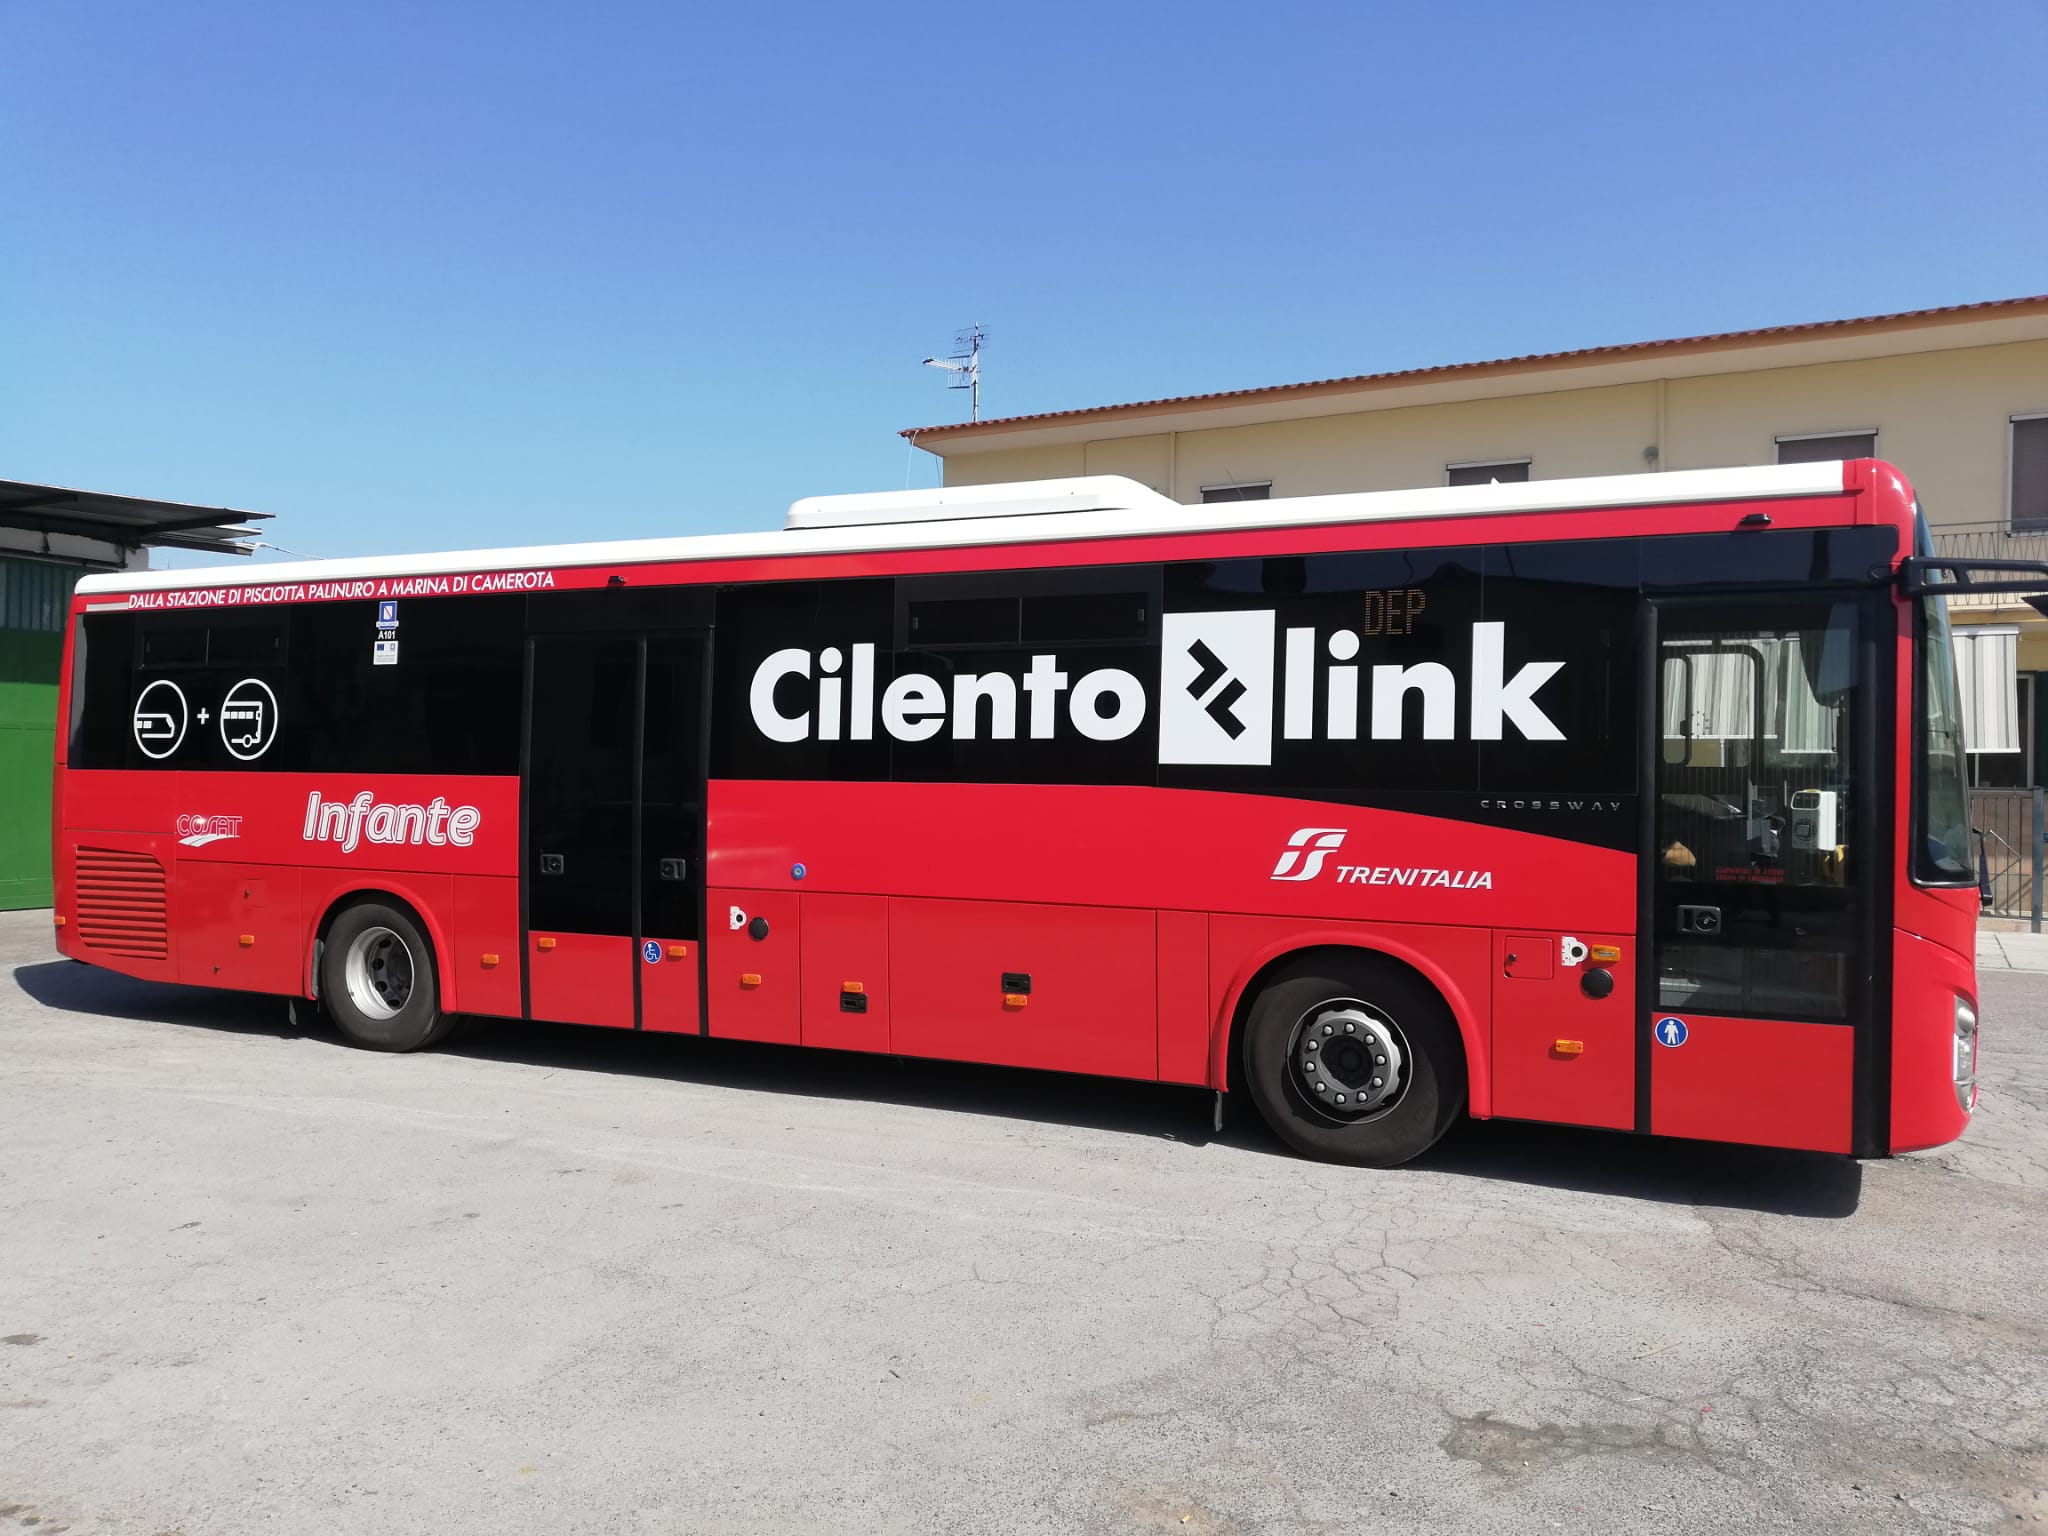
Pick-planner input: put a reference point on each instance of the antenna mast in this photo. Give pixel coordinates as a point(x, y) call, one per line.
point(964, 364)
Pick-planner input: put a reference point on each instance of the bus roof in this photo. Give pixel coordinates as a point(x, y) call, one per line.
point(1096, 507)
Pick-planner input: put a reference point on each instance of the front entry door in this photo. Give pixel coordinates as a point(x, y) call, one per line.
point(614, 804)
point(1764, 872)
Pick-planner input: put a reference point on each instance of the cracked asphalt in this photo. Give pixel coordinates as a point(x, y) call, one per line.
point(563, 1280)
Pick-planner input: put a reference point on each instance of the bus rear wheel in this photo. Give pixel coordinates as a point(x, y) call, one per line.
point(378, 981)
point(1353, 1061)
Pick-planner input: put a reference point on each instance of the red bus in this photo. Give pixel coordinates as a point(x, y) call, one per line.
point(1632, 803)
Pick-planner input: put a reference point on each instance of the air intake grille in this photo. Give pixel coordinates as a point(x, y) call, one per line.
point(121, 906)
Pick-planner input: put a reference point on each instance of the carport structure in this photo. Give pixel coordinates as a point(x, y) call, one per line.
point(50, 535)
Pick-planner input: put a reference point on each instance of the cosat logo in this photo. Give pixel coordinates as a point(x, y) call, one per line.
point(198, 831)
point(1306, 851)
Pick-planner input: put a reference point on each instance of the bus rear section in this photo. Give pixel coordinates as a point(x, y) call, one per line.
point(1626, 804)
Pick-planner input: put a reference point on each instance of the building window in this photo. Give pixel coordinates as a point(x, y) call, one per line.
point(1488, 472)
point(1239, 490)
point(2026, 494)
point(2014, 767)
point(1822, 447)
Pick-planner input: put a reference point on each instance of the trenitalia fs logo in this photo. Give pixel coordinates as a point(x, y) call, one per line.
point(1302, 859)
point(1216, 691)
point(1306, 851)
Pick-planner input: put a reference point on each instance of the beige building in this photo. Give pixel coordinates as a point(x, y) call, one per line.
point(1956, 397)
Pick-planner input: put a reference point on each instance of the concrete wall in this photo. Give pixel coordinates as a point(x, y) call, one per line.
point(1941, 416)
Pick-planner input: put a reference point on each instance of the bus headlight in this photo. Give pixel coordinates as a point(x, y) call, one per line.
point(1966, 1054)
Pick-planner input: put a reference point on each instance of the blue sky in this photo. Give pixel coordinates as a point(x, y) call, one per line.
point(420, 276)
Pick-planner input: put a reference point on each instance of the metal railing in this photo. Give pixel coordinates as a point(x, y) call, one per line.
point(2010, 830)
point(1988, 541)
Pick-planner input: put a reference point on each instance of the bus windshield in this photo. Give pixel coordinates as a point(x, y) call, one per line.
point(1942, 854)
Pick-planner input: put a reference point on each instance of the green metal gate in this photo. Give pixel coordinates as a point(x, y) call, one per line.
point(33, 597)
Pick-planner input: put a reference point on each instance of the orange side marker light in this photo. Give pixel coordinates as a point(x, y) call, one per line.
point(248, 940)
point(1016, 999)
point(1569, 1047)
point(679, 951)
point(489, 961)
point(853, 986)
point(543, 943)
point(59, 919)
point(750, 978)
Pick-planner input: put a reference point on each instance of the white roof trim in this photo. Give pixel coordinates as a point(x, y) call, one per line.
point(1086, 493)
point(1155, 516)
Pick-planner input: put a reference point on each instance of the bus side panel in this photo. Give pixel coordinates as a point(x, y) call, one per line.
point(1564, 1049)
point(1926, 980)
point(1762, 1082)
point(1022, 985)
point(1142, 847)
point(239, 926)
point(1458, 962)
point(483, 962)
point(1187, 1014)
point(845, 947)
point(752, 964)
point(582, 978)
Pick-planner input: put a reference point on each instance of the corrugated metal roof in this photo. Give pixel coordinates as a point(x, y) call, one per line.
point(132, 522)
point(1946, 314)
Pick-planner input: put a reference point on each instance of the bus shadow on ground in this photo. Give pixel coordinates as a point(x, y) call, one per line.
point(1687, 1173)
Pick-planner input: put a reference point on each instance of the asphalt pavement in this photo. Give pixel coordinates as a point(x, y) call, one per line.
point(564, 1280)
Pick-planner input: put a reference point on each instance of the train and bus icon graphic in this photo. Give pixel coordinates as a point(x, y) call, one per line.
point(247, 719)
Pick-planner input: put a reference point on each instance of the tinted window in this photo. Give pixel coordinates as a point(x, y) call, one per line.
point(851, 619)
point(448, 703)
point(1361, 667)
point(302, 689)
point(1577, 605)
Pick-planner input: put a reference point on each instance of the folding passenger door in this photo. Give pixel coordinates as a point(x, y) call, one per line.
point(614, 828)
point(1766, 861)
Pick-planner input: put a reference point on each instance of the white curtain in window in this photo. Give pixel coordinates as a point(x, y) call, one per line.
point(1987, 668)
point(1810, 726)
point(1721, 696)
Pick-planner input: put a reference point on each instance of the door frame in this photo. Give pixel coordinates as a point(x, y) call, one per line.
point(641, 633)
point(1875, 724)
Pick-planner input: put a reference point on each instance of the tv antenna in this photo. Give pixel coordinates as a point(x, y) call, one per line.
point(964, 364)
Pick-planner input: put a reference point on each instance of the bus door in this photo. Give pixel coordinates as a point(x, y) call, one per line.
point(614, 828)
point(1766, 870)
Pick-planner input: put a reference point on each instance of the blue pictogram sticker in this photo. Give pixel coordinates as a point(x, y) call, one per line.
point(1671, 1032)
point(651, 952)
point(387, 615)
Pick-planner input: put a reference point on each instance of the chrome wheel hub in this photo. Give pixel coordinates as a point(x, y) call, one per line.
point(1349, 1060)
point(379, 972)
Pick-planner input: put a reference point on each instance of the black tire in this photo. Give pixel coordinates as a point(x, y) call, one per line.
point(1354, 1003)
point(378, 980)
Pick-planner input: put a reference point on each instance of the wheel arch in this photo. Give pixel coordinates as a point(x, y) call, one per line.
point(1226, 1063)
point(393, 893)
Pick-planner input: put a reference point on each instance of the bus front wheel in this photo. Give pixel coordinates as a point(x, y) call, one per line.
point(377, 979)
point(1352, 1061)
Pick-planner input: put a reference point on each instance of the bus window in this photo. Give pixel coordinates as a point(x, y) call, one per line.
point(1756, 869)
